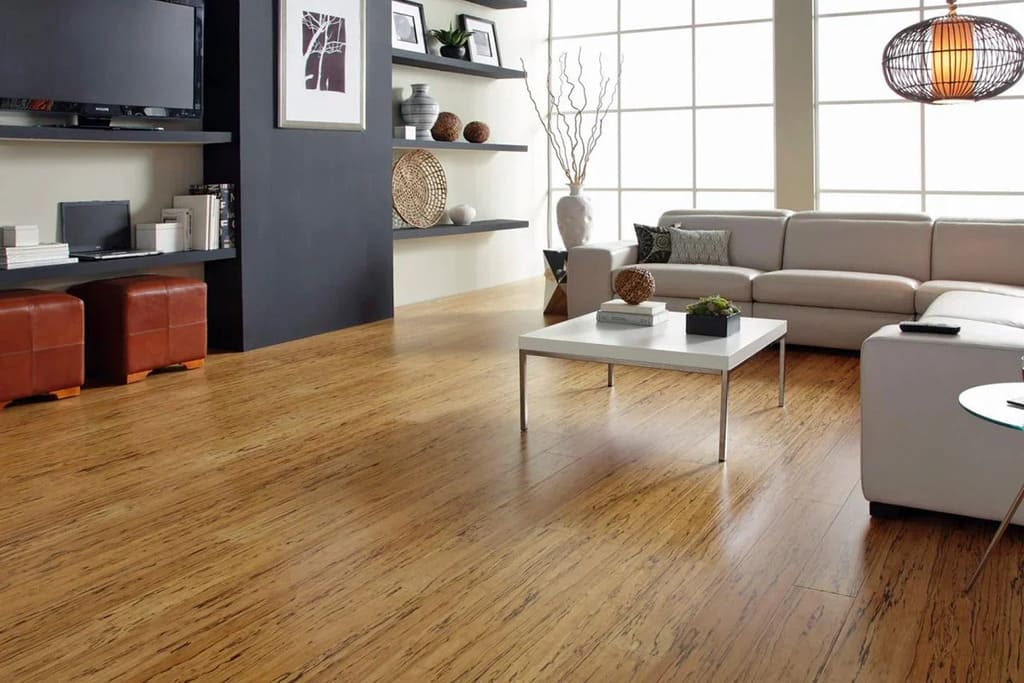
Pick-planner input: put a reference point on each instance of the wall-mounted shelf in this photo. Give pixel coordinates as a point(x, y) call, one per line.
point(500, 4)
point(457, 66)
point(446, 230)
point(90, 269)
point(458, 146)
point(158, 137)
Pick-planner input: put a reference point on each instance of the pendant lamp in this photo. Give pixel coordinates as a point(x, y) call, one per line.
point(954, 58)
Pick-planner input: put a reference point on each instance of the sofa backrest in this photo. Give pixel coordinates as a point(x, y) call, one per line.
point(890, 244)
point(979, 251)
point(756, 236)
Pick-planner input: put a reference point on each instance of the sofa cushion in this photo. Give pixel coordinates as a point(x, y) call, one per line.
point(930, 291)
point(978, 251)
point(983, 307)
point(700, 247)
point(681, 281)
point(756, 237)
point(654, 244)
point(837, 289)
point(894, 244)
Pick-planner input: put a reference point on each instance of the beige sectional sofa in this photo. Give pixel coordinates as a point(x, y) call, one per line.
point(919, 449)
point(841, 279)
point(835, 277)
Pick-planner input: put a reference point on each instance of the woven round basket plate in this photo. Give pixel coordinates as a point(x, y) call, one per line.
point(419, 189)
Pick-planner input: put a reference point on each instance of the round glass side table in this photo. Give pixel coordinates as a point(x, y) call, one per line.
point(990, 403)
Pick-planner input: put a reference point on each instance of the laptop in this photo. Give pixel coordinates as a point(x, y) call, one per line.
point(98, 231)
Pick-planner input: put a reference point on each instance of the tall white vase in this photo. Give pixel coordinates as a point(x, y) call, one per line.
point(575, 217)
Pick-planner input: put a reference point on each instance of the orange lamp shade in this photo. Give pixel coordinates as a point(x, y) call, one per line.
point(953, 59)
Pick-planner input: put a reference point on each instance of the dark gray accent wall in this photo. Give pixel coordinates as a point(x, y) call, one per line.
point(315, 244)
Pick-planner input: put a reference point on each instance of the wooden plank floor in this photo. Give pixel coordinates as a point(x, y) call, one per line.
point(362, 507)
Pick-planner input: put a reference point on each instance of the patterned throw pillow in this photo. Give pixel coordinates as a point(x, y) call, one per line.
point(655, 244)
point(700, 247)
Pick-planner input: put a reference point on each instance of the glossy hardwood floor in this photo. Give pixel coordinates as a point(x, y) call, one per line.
point(362, 507)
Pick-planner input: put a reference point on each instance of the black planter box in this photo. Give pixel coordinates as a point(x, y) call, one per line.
point(713, 325)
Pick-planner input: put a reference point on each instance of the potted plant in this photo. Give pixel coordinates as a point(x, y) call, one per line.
point(453, 41)
point(712, 316)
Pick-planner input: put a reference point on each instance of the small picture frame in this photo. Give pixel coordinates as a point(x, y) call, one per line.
point(483, 45)
point(408, 26)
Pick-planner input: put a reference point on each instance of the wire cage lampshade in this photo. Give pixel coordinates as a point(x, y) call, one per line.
point(955, 57)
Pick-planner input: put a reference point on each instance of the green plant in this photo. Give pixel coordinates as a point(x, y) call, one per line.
point(451, 36)
point(715, 306)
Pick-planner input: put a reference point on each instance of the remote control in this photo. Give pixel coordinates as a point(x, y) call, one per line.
point(930, 328)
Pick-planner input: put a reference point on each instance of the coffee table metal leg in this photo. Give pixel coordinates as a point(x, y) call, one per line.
point(782, 372)
point(611, 375)
point(522, 392)
point(996, 539)
point(723, 428)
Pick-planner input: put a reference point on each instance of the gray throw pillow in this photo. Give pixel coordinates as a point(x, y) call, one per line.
point(700, 247)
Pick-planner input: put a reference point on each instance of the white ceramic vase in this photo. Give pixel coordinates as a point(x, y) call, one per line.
point(463, 214)
point(575, 217)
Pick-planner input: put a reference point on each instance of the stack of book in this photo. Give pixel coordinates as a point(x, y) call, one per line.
point(647, 314)
point(21, 249)
point(225, 194)
point(203, 221)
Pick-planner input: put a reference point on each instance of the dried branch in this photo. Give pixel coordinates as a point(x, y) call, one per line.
point(571, 140)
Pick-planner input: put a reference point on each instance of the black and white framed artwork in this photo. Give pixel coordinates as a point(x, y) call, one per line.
point(408, 31)
point(483, 44)
point(322, 64)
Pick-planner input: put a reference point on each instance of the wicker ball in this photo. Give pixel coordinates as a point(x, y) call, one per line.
point(478, 132)
point(447, 127)
point(634, 285)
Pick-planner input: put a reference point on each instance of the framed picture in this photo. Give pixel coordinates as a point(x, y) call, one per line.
point(483, 45)
point(408, 26)
point(322, 64)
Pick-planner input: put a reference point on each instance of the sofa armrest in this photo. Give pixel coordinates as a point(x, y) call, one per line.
point(590, 274)
point(919, 449)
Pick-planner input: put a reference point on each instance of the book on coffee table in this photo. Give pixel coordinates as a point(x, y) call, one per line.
point(647, 308)
point(631, 318)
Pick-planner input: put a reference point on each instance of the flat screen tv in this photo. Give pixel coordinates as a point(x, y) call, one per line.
point(102, 59)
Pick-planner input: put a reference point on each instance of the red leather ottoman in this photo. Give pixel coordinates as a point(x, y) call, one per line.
point(135, 325)
point(41, 345)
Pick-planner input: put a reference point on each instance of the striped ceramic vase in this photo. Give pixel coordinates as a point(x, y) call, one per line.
point(421, 110)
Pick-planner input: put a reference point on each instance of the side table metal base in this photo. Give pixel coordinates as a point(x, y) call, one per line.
point(995, 539)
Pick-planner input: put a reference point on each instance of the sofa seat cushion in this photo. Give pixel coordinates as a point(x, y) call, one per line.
point(930, 291)
point(683, 281)
point(997, 309)
point(837, 289)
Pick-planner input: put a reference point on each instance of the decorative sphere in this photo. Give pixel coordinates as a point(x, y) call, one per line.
point(634, 285)
point(478, 132)
point(447, 127)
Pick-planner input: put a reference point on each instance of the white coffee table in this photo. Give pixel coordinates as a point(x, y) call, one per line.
point(665, 346)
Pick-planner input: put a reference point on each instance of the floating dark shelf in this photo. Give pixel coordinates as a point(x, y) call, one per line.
point(458, 146)
point(445, 230)
point(90, 269)
point(500, 4)
point(159, 137)
point(457, 66)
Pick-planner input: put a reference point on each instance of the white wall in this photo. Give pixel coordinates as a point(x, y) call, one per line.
point(36, 176)
point(500, 185)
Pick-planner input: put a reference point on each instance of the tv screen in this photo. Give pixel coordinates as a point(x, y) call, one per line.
point(102, 58)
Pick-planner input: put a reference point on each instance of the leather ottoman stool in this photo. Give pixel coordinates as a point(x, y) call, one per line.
point(135, 325)
point(41, 345)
